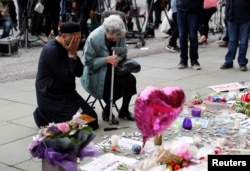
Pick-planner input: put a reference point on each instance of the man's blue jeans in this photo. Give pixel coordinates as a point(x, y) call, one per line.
point(7, 26)
point(188, 24)
point(238, 35)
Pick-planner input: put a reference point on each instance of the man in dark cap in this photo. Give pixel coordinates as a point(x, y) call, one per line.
point(58, 66)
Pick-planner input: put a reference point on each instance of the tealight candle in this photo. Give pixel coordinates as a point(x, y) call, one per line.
point(221, 141)
point(196, 112)
point(197, 139)
point(114, 140)
point(197, 125)
point(203, 109)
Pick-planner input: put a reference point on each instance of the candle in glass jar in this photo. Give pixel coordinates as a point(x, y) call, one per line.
point(196, 112)
point(158, 140)
point(187, 123)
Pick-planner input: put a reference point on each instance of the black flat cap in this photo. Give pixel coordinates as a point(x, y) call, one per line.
point(70, 27)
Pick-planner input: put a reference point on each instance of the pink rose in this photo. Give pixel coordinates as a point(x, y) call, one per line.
point(63, 127)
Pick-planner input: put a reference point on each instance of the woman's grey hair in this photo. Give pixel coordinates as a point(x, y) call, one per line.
point(114, 25)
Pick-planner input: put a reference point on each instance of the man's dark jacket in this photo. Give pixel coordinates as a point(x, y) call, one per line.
point(238, 11)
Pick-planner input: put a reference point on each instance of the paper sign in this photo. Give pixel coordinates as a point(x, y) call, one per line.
point(227, 87)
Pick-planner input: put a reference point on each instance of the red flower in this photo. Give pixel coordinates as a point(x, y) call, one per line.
point(171, 163)
point(176, 167)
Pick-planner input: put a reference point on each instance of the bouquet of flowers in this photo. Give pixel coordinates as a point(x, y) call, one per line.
point(61, 143)
point(176, 155)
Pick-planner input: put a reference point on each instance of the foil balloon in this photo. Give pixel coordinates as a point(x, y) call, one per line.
point(156, 109)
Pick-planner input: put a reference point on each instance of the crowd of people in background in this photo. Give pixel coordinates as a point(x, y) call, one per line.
point(185, 37)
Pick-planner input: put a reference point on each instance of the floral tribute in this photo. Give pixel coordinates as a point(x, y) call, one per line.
point(61, 143)
point(178, 155)
point(242, 104)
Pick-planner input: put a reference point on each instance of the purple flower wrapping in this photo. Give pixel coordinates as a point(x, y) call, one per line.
point(66, 161)
point(89, 151)
point(38, 150)
point(60, 144)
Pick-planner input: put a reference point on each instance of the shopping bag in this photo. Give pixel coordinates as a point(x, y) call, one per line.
point(39, 7)
point(165, 26)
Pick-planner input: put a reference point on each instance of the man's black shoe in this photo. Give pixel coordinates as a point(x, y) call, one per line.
point(226, 66)
point(129, 116)
point(243, 68)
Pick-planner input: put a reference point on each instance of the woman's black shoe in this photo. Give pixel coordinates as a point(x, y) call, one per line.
point(129, 116)
point(105, 117)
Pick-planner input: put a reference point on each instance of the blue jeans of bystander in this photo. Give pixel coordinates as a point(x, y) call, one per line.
point(188, 24)
point(7, 26)
point(238, 35)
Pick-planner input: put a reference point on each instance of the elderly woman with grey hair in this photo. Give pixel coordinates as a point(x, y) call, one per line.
point(98, 61)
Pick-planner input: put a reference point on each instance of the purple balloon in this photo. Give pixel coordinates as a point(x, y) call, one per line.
point(156, 109)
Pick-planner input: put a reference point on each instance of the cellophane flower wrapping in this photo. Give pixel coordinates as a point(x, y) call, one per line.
point(61, 143)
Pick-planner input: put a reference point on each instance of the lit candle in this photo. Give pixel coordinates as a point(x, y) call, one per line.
point(114, 140)
point(237, 123)
point(196, 112)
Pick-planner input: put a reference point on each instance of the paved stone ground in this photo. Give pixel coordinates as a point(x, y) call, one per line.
point(24, 63)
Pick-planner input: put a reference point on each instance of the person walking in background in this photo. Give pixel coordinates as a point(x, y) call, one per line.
point(172, 44)
point(238, 18)
point(209, 8)
point(84, 10)
point(154, 12)
point(225, 39)
point(52, 15)
point(124, 6)
point(58, 66)
point(7, 16)
point(188, 14)
point(22, 7)
point(98, 61)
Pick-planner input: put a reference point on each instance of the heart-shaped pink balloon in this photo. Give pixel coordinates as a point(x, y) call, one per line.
point(156, 109)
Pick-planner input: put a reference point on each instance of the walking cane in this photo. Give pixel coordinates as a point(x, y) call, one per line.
point(115, 50)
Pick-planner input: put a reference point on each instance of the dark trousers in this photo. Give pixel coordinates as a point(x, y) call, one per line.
point(21, 5)
point(188, 24)
point(124, 87)
point(204, 20)
point(157, 12)
point(174, 31)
